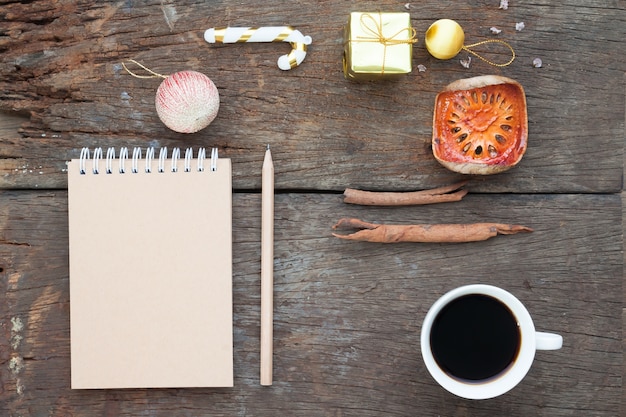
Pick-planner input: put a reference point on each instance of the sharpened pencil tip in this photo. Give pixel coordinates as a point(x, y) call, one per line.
point(268, 147)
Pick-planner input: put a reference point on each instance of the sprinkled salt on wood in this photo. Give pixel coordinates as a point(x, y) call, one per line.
point(495, 30)
point(519, 26)
point(504, 4)
point(537, 63)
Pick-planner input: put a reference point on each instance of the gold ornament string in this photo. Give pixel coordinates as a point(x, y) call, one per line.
point(467, 48)
point(153, 74)
point(379, 37)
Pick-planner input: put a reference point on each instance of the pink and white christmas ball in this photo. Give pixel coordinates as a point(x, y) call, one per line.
point(187, 101)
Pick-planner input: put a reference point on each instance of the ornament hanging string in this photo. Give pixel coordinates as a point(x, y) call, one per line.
point(153, 74)
point(467, 48)
point(186, 101)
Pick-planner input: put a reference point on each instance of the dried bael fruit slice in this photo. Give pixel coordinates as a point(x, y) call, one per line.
point(480, 125)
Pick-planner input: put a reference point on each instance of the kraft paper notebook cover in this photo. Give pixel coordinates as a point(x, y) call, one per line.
point(150, 270)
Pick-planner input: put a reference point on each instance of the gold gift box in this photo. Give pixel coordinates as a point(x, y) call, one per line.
point(378, 45)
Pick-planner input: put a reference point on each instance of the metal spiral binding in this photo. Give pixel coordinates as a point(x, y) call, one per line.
point(175, 157)
point(162, 158)
point(135, 161)
point(98, 155)
point(123, 158)
point(214, 159)
point(109, 160)
point(84, 155)
point(201, 158)
point(149, 158)
point(188, 157)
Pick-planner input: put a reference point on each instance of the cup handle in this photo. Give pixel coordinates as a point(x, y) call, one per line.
point(548, 341)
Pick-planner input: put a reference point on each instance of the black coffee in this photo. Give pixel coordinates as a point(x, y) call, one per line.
point(475, 337)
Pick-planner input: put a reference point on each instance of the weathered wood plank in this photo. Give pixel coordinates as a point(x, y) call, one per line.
point(347, 314)
point(60, 64)
point(624, 288)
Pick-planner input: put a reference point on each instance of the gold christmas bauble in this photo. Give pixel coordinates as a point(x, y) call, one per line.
point(444, 39)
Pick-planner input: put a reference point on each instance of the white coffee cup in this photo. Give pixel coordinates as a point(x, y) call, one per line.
point(437, 323)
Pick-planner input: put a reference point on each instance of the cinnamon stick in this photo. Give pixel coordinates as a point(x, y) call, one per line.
point(440, 233)
point(444, 194)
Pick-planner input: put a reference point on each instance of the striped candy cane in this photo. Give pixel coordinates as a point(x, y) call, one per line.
point(298, 41)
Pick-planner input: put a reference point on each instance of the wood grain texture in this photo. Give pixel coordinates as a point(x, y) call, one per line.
point(624, 284)
point(61, 66)
point(347, 314)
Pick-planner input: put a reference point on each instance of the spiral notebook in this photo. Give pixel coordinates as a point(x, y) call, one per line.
point(150, 269)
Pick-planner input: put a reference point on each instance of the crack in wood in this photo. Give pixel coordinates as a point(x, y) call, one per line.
point(14, 243)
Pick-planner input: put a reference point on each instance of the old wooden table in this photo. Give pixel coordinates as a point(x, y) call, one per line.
point(347, 315)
